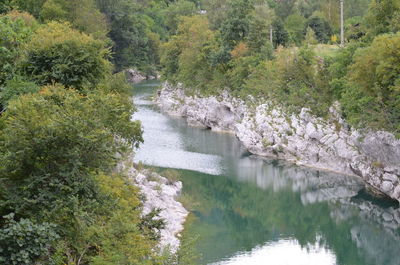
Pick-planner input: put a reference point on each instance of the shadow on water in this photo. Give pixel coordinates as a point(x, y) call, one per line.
point(250, 210)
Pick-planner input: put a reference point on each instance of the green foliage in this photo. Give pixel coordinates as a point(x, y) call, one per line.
point(383, 16)
point(176, 10)
point(280, 35)
point(372, 97)
point(16, 87)
point(295, 79)
point(310, 37)
point(13, 34)
point(338, 68)
point(24, 242)
point(321, 27)
point(236, 26)
point(259, 29)
point(151, 225)
point(189, 63)
point(294, 25)
point(135, 45)
point(59, 54)
point(82, 14)
point(53, 140)
point(5, 6)
point(120, 237)
point(31, 6)
point(216, 12)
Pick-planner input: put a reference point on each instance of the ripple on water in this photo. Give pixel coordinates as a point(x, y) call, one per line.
point(163, 146)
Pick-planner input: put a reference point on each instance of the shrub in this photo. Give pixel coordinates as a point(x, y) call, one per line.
point(16, 87)
point(24, 242)
point(14, 33)
point(59, 54)
point(372, 95)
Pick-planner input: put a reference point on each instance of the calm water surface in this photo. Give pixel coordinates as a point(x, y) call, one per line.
point(251, 211)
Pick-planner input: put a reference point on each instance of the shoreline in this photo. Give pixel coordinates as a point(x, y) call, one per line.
point(302, 139)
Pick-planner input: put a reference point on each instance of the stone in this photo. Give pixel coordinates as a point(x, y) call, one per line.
point(265, 129)
point(387, 217)
point(135, 76)
point(161, 194)
point(387, 186)
point(391, 177)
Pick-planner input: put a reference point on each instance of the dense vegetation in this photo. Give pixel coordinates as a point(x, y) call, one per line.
point(230, 48)
point(65, 112)
point(65, 125)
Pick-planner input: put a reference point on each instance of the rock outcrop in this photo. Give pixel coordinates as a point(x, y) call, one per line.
point(134, 76)
point(159, 193)
point(304, 139)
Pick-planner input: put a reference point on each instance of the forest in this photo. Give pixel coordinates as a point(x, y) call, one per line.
point(65, 109)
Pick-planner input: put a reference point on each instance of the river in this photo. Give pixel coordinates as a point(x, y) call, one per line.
point(249, 210)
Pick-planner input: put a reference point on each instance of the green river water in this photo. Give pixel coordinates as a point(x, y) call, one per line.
point(248, 210)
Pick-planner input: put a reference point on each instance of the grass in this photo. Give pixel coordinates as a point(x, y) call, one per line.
point(326, 50)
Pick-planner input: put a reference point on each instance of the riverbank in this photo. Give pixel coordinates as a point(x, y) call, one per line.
point(327, 144)
point(160, 193)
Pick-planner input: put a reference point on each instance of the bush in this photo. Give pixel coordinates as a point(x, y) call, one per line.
point(295, 79)
point(16, 87)
point(25, 242)
point(59, 54)
point(54, 140)
point(14, 33)
point(372, 95)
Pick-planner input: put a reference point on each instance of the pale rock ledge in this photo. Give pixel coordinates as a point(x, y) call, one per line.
point(327, 144)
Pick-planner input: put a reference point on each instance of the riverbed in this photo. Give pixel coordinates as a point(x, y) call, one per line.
point(252, 210)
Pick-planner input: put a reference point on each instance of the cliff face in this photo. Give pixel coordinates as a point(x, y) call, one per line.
point(304, 139)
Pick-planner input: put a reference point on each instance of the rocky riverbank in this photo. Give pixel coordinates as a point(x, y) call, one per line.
point(327, 144)
point(160, 193)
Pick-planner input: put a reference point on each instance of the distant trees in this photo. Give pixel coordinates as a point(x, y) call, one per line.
point(238, 56)
point(384, 16)
point(135, 45)
point(14, 33)
point(321, 27)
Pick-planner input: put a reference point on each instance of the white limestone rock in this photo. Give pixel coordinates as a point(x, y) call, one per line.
point(304, 139)
point(160, 193)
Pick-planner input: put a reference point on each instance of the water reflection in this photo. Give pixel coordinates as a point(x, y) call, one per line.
point(277, 253)
point(251, 210)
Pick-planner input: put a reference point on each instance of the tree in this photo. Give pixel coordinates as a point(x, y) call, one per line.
point(189, 45)
point(216, 12)
point(82, 14)
point(5, 6)
point(59, 54)
point(259, 27)
point(294, 25)
point(280, 35)
point(236, 27)
point(383, 16)
point(372, 97)
point(16, 87)
point(14, 33)
point(134, 43)
point(310, 37)
point(321, 28)
point(53, 145)
point(176, 10)
point(31, 6)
